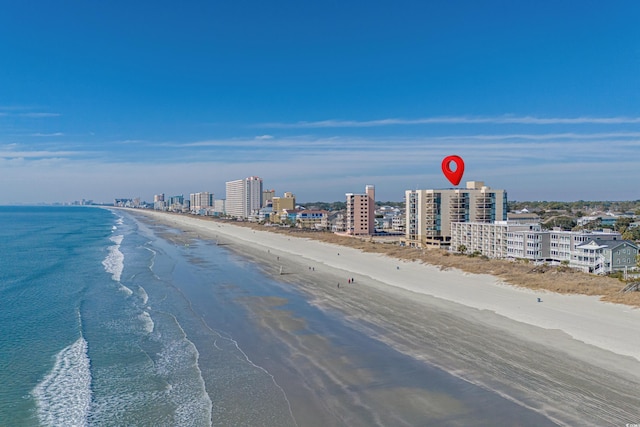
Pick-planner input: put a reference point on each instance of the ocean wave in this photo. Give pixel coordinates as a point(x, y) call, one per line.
point(148, 324)
point(114, 261)
point(64, 395)
point(178, 365)
point(117, 239)
point(143, 295)
point(126, 290)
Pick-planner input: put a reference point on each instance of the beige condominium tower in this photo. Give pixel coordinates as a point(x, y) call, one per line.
point(430, 213)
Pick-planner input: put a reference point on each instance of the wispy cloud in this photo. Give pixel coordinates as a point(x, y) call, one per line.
point(47, 134)
point(545, 136)
point(38, 115)
point(526, 120)
point(38, 154)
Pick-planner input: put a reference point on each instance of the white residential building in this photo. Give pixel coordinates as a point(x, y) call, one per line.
point(219, 207)
point(500, 239)
point(605, 256)
point(531, 243)
point(563, 244)
point(244, 197)
point(201, 201)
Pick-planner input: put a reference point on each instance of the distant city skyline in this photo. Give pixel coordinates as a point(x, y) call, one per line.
point(110, 100)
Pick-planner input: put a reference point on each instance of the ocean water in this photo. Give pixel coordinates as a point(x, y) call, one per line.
point(107, 320)
point(95, 332)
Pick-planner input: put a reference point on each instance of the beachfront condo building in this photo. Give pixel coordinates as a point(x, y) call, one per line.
point(281, 206)
point(430, 213)
point(360, 219)
point(598, 252)
point(500, 239)
point(201, 201)
point(287, 201)
point(219, 207)
point(313, 219)
point(244, 197)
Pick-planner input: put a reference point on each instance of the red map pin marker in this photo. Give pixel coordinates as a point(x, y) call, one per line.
point(454, 176)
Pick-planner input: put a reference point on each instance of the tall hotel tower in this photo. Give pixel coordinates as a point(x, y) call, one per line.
point(430, 213)
point(244, 197)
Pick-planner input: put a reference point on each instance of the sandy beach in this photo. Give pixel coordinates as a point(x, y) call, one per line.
point(572, 358)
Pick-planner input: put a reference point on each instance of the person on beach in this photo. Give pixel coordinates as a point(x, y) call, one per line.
point(338, 285)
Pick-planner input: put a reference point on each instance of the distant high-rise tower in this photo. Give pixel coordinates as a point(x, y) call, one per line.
point(361, 212)
point(267, 197)
point(244, 197)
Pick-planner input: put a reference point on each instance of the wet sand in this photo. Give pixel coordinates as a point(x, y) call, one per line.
point(542, 368)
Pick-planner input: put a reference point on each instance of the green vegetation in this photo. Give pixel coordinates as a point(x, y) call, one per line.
point(565, 222)
point(327, 206)
point(580, 206)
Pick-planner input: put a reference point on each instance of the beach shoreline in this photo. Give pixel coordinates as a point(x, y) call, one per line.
point(609, 326)
point(476, 327)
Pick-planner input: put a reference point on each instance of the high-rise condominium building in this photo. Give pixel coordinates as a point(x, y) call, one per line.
point(430, 213)
point(361, 212)
point(244, 197)
point(201, 200)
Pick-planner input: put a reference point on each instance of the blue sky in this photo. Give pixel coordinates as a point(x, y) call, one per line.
point(122, 99)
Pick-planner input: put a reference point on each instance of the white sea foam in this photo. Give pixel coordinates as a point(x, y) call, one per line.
point(178, 364)
point(147, 322)
point(126, 290)
point(63, 397)
point(143, 295)
point(114, 262)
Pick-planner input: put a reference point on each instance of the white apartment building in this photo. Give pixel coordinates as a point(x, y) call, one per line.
point(531, 243)
point(500, 239)
point(596, 252)
point(564, 244)
point(244, 197)
point(201, 201)
point(430, 213)
point(398, 223)
point(219, 206)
